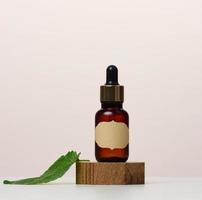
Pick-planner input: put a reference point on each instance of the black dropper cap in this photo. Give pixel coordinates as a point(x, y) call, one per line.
point(111, 91)
point(112, 75)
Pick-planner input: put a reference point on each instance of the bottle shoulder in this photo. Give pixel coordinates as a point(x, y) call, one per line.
point(107, 115)
point(108, 112)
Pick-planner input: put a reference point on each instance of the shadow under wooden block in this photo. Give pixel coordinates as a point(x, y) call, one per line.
point(110, 173)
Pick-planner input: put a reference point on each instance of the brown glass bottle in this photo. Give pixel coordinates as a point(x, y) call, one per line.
point(111, 122)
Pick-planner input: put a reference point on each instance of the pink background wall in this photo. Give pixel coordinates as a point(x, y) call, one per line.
point(53, 56)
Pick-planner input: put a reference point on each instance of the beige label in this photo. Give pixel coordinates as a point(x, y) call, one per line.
point(112, 135)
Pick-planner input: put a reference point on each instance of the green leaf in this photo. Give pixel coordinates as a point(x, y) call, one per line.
point(55, 171)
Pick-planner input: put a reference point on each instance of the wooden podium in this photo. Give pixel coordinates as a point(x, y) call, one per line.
point(110, 173)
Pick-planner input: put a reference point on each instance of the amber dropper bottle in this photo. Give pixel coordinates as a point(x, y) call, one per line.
point(111, 121)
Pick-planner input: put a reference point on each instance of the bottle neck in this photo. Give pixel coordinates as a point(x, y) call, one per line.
point(113, 105)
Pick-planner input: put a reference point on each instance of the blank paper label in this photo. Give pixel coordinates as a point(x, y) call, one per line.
point(112, 135)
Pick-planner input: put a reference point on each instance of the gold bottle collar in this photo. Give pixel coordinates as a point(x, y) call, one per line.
point(111, 93)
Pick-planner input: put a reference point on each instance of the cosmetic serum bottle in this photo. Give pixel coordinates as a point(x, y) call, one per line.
point(111, 121)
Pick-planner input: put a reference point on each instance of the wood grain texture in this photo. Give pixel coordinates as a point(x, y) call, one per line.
point(107, 173)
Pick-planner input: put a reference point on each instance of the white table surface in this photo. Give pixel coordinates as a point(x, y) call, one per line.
point(155, 188)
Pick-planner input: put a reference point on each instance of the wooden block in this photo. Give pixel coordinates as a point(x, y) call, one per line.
point(107, 173)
